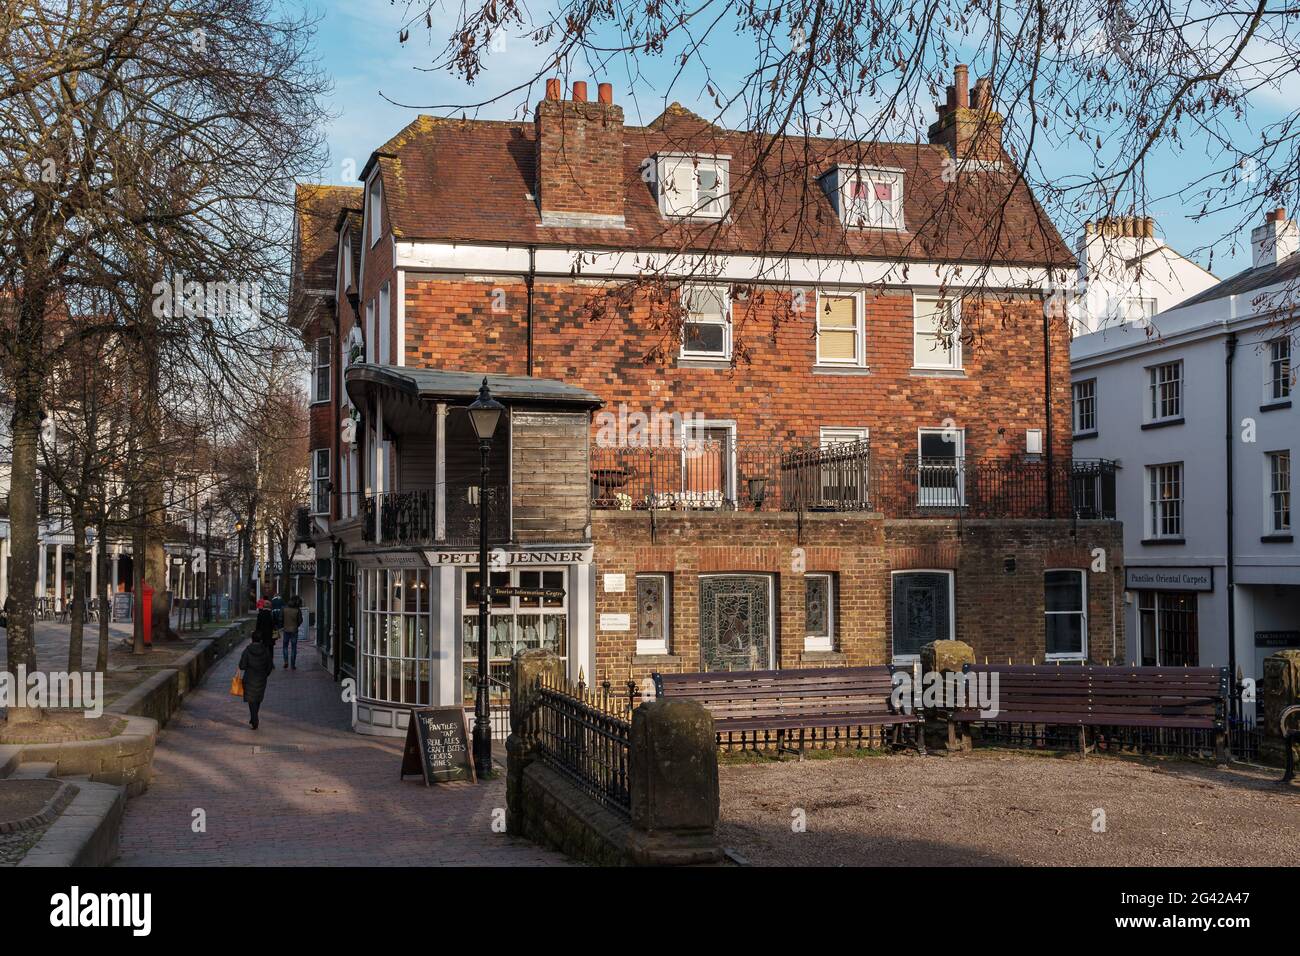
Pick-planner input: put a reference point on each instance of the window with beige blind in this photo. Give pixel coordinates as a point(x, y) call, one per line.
point(839, 330)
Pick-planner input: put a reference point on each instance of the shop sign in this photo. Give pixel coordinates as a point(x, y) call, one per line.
point(1168, 579)
point(437, 746)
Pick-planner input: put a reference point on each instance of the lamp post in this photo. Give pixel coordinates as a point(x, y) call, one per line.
point(239, 568)
point(484, 414)
point(207, 560)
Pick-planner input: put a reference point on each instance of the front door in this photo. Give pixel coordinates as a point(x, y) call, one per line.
point(736, 622)
point(922, 611)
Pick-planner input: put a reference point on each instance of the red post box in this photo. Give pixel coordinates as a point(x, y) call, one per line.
point(146, 612)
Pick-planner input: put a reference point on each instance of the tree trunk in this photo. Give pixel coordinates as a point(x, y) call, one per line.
point(105, 596)
point(21, 632)
point(78, 612)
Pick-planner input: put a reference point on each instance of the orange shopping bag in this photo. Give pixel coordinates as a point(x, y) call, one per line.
point(237, 685)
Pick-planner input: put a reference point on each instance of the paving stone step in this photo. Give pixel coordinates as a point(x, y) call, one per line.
point(33, 771)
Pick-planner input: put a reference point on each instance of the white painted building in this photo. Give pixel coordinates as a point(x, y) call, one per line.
point(1191, 403)
point(1127, 274)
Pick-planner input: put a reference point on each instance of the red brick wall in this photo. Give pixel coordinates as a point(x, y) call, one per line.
point(775, 396)
point(1000, 614)
point(580, 157)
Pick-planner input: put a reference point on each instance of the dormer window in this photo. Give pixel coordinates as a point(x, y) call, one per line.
point(375, 195)
point(693, 187)
point(866, 198)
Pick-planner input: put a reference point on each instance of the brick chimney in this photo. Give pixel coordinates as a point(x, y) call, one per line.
point(580, 180)
point(1275, 240)
point(967, 124)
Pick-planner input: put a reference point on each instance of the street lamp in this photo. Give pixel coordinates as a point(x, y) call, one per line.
point(208, 511)
point(239, 568)
point(484, 414)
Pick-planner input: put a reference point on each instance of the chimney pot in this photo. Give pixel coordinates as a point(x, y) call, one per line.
point(579, 92)
point(605, 92)
point(961, 80)
point(553, 89)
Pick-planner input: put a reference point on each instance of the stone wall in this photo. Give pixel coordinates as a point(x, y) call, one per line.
point(672, 776)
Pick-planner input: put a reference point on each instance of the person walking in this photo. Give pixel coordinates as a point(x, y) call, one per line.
point(292, 622)
point(264, 629)
point(256, 664)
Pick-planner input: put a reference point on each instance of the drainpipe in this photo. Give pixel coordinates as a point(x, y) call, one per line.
point(1230, 352)
point(1047, 407)
point(528, 284)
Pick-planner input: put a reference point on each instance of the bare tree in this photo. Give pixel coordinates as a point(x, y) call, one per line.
point(149, 151)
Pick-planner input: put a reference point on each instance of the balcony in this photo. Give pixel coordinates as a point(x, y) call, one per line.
point(721, 476)
point(410, 517)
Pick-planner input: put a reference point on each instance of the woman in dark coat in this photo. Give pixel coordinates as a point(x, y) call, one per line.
point(264, 628)
point(256, 664)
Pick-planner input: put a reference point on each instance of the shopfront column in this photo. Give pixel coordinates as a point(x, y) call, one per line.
point(4, 570)
point(94, 570)
point(58, 577)
point(41, 570)
point(113, 584)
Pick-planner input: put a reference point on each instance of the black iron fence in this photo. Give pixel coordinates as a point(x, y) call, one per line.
point(586, 736)
point(410, 517)
point(713, 475)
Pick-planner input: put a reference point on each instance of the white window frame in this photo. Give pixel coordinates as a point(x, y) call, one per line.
point(370, 332)
point(1082, 654)
point(319, 367)
point(955, 360)
point(385, 325)
point(891, 214)
point(1277, 501)
point(1078, 428)
point(932, 500)
point(821, 642)
point(704, 425)
point(660, 646)
point(374, 207)
point(1154, 517)
point(318, 494)
point(859, 359)
point(893, 623)
point(1140, 308)
point(672, 206)
point(1153, 391)
point(1278, 369)
point(725, 322)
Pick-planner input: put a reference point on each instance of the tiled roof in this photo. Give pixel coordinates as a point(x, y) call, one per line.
point(453, 180)
point(432, 383)
point(1249, 280)
point(317, 208)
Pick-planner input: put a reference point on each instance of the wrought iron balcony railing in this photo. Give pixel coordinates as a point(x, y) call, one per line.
point(410, 517)
point(846, 477)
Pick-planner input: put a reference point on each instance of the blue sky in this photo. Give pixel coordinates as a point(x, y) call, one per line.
point(380, 85)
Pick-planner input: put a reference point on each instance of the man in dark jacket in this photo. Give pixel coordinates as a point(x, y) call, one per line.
point(292, 621)
point(256, 664)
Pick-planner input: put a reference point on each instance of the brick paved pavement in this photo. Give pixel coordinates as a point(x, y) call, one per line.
point(337, 802)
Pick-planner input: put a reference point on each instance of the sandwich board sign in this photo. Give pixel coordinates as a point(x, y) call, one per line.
point(437, 746)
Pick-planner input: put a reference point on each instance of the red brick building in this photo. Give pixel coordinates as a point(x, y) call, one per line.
point(771, 400)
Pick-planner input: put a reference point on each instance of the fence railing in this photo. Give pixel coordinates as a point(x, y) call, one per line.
point(584, 735)
point(715, 475)
point(410, 517)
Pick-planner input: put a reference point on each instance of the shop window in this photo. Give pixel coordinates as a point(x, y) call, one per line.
point(395, 621)
point(514, 624)
point(1167, 624)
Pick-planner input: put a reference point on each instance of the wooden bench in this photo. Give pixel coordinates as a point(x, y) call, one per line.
point(1083, 696)
point(786, 701)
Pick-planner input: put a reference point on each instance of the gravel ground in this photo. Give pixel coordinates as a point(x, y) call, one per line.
point(995, 808)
